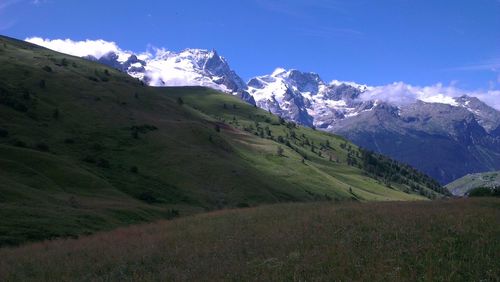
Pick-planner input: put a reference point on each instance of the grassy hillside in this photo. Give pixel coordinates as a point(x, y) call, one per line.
point(457, 240)
point(461, 186)
point(85, 148)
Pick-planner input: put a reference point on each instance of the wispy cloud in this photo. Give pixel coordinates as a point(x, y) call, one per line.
point(300, 10)
point(328, 32)
point(5, 4)
point(490, 65)
point(4, 22)
point(277, 6)
point(7, 25)
point(39, 2)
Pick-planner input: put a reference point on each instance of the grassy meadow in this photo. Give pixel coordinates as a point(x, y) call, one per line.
point(444, 240)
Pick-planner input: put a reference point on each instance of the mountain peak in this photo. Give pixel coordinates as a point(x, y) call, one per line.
point(278, 71)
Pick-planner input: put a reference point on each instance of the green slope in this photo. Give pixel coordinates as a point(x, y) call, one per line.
point(85, 148)
point(461, 186)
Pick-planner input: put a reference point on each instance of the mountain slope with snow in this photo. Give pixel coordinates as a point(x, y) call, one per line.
point(191, 67)
point(440, 130)
point(445, 137)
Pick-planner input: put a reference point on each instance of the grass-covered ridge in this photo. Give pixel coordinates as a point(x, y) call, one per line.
point(86, 148)
point(457, 240)
point(464, 185)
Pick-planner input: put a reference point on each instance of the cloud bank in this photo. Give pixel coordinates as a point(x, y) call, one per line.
point(96, 48)
point(398, 93)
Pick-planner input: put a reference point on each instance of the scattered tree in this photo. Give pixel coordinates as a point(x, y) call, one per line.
point(42, 147)
point(103, 163)
point(280, 151)
point(55, 114)
point(4, 132)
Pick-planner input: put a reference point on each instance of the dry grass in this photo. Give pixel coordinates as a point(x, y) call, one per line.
point(455, 240)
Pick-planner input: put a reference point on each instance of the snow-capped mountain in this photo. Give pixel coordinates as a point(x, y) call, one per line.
point(191, 67)
point(436, 129)
point(306, 98)
point(446, 137)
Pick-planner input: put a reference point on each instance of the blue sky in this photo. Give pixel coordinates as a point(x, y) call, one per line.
point(420, 42)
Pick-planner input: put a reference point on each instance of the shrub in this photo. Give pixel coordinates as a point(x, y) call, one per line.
point(42, 84)
point(89, 159)
point(147, 197)
point(26, 95)
point(4, 132)
point(280, 151)
point(135, 134)
point(217, 128)
point(42, 147)
point(103, 163)
point(172, 213)
point(18, 143)
point(180, 101)
point(64, 62)
point(134, 169)
point(55, 114)
point(20, 107)
point(145, 128)
point(97, 147)
point(47, 69)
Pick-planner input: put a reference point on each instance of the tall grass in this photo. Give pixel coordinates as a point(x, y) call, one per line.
point(456, 240)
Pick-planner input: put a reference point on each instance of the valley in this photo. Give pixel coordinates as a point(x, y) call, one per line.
point(444, 132)
point(87, 148)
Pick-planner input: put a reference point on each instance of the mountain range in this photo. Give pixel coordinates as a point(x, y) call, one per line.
point(446, 138)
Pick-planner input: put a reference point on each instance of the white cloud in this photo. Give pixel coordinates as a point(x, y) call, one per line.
point(400, 93)
point(96, 48)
